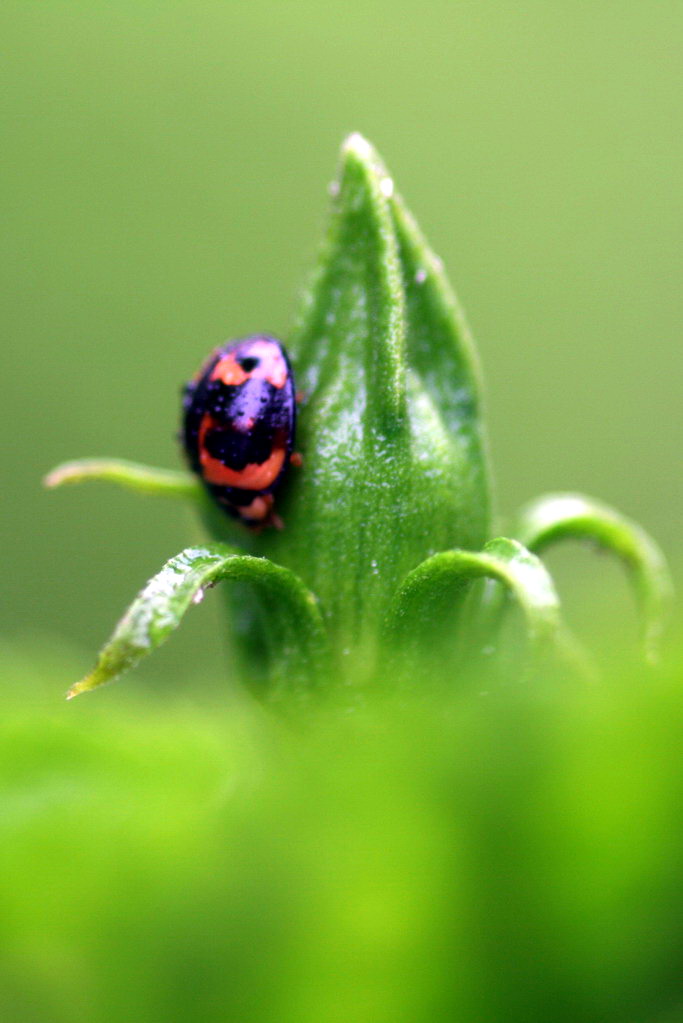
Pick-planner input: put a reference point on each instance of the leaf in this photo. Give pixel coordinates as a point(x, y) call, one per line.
point(295, 627)
point(504, 560)
point(353, 328)
point(343, 522)
point(142, 478)
point(394, 468)
point(443, 359)
point(556, 517)
point(417, 623)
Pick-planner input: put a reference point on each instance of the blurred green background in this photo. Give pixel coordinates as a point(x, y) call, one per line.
point(164, 176)
point(510, 859)
point(164, 188)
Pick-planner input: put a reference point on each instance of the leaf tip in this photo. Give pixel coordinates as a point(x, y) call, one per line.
point(55, 477)
point(90, 681)
point(357, 144)
point(357, 152)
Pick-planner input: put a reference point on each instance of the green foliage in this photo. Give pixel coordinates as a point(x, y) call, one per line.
point(139, 478)
point(394, 466)
point(515, 856)
point(383, 522)
point(504, 560)
point(490, 853)
point(556, 517)
point(294, 625)
point(417, 630)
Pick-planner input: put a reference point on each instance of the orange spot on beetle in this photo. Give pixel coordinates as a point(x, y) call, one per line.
point(254, 476)
point(229, 371)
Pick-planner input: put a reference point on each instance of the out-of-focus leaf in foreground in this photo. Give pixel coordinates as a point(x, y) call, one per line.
point(515, 856)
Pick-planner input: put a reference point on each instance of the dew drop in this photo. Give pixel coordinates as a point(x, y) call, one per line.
point(421, 276)
point(386, 187)
point(199, 596)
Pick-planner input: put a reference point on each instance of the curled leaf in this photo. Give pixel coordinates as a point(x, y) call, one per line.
point(295, 628)
point(144, 479)
point(447, 575)
point(434, 631)
point(556, 517)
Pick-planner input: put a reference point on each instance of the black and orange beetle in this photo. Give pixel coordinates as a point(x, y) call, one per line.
point(238, 427)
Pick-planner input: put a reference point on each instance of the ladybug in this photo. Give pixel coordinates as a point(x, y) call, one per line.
point(239, 418)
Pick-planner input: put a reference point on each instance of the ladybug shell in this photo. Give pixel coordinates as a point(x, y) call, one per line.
point(238, 426)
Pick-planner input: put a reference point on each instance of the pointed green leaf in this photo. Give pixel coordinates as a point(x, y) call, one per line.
point(394, 467)
point(440, 346)
point(446, 374)
point(419, 612)
point(556, 517)
point(295, 627)
point(351, 340)
point(142, 478)
point(343, 512)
